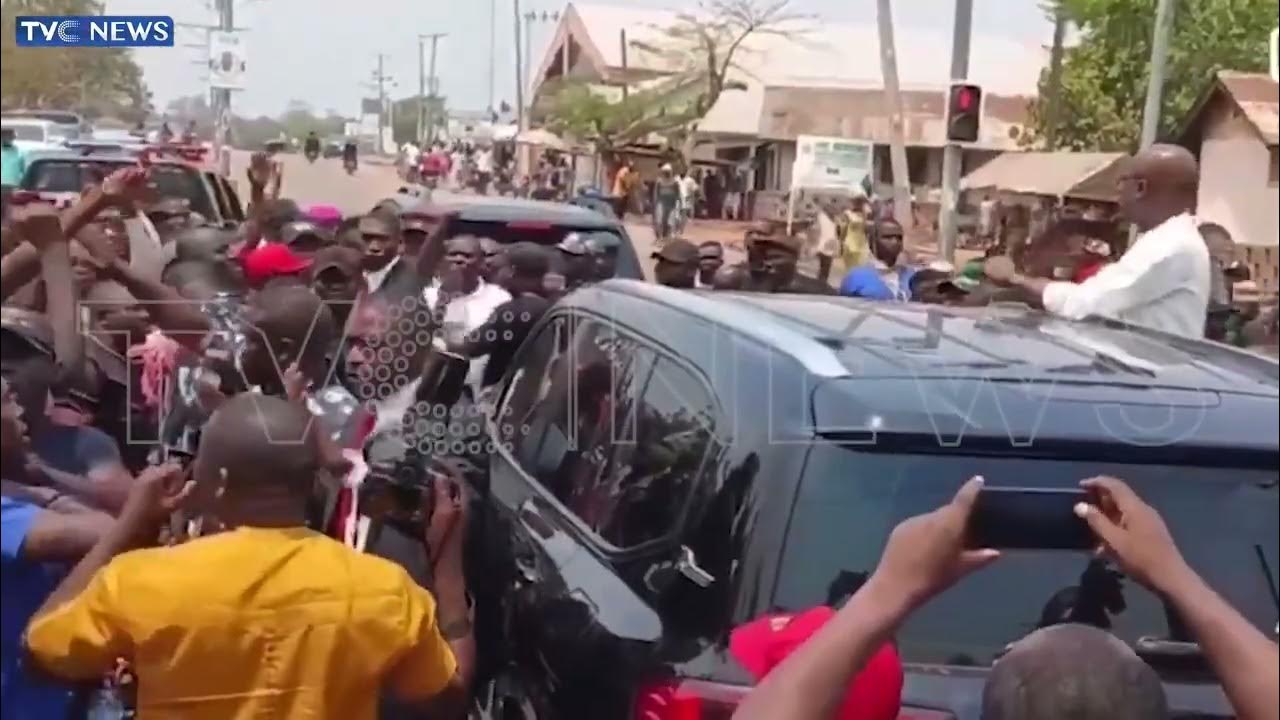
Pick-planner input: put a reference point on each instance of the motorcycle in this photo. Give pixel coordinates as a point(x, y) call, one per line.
point(312, 154)
point(349, 164)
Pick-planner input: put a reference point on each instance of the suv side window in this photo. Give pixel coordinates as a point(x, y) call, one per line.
point(529, 389)
point(655, 465)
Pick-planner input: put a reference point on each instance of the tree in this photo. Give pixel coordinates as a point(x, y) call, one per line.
point(92, 81)
point(698, 56)
point(1104, 76)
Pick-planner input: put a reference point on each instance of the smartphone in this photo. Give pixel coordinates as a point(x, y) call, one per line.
point(1029, 519)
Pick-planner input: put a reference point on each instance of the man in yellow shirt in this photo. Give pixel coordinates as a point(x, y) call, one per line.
point(263, 618)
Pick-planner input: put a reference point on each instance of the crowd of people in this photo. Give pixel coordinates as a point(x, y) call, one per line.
point(186, 523)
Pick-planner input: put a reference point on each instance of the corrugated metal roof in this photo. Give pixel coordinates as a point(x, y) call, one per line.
point(1258, 97)
point(818, 54)
point(1055, 174)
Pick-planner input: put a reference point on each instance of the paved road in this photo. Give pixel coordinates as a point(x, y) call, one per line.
point(325, 182)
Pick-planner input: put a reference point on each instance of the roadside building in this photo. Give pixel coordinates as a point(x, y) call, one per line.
point(812, 78)
point(1235, 130)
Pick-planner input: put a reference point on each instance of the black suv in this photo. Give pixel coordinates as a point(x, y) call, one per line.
point(509, 220)
point(671, 465)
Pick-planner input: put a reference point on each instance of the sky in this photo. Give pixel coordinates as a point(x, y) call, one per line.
point(325, 52)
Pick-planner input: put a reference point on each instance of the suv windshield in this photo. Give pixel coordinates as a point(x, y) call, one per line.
point(1224, 521)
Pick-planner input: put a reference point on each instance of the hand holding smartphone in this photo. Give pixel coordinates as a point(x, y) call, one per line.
point(1011, 518)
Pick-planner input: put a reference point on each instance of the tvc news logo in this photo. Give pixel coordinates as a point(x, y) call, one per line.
point(94, 31)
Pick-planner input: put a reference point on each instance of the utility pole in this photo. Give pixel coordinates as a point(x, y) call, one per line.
point(422, 79)
point(493, 49)
point(520, 114)
point(953, 154)
point(893, 101)
point(222, 98)
point(380, 79)
point(433, 86)
point(1155, 83)
point(1054, 102)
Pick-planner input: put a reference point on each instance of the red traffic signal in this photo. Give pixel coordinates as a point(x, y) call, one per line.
point(964, 113)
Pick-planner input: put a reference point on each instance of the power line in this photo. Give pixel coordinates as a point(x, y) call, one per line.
point(424, 84)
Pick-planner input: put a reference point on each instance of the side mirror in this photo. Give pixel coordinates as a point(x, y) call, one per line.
point(662, 575)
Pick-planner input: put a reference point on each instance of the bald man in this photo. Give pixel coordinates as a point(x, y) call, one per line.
point(1162, 281)
point(259, 616)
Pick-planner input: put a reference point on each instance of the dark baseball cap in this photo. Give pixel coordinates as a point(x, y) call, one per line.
point(526, 258)
point(786, 242)
point(677, 251)
point(298, 231)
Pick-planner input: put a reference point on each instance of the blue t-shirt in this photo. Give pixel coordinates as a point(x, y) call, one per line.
point(75, 449)
point(25, 586)
point(865, 281)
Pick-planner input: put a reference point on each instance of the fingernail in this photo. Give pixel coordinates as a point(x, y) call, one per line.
point(1081, 509)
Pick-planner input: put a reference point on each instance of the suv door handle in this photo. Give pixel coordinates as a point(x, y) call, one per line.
point(533, 519)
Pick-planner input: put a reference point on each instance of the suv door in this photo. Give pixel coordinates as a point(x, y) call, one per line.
point(602, 444)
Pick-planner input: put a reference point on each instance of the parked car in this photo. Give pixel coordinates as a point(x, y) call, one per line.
point(67, 125)
point(509, 220)
point(670, 465)
point(33, 134)
point(176, 171)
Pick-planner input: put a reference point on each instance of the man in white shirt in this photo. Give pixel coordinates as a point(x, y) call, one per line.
point(461, 300)
point(1162, 280)
point(828, 240)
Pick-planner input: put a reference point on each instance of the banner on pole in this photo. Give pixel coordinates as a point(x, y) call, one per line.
point(226, 60)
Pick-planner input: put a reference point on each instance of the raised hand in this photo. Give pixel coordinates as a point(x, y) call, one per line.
point(926, 554)
point(1132, 533)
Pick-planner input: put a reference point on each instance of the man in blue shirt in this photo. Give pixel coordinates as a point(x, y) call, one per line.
point(883, 278)
point(38, 546)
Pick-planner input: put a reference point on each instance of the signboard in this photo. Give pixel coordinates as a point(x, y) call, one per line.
point(226, 60)
point(826, 163)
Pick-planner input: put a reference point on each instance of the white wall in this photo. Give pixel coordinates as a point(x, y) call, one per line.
point(1234, 188)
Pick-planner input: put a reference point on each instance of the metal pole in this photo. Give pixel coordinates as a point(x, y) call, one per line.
point(382, 106)
point(422, 90)
point(622, 38)
point(493, 49)
point(1054, 102)
point(898, 148)
point(953, 154)
point(520, 114)
point(529, 18)
point(1155, 83)
point(222, 97)
point(433, 85)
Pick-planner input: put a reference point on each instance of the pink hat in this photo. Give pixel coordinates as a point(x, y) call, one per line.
point(326, 216)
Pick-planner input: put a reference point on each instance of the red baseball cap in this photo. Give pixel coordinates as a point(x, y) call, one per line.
point(762, 644)
point(271, 260)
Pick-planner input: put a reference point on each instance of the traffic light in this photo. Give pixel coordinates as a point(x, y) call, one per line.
point(964, 113)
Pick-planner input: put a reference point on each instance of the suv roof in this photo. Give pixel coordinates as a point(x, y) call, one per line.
point(1001, 379)
point(483, 208)
point(845, 337)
